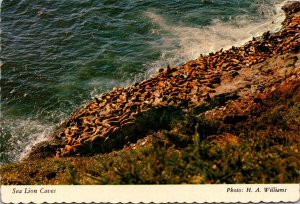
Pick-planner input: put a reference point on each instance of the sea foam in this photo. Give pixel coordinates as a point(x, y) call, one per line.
point(19, 135)
point(178, 44)
point(181, 43)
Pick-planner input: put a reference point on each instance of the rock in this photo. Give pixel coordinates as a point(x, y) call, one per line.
point(224, 97)
point(43, 150)
point(291, 7)
point(129, 111)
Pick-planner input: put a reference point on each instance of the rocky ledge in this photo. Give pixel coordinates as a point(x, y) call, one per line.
point(229, 117)
point(226, 85)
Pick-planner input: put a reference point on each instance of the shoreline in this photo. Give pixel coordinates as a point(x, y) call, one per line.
point(231, 88)
point(114, 114)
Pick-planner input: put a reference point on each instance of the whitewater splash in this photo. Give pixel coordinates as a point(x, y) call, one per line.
point(35, 139)
point(180, 43)
point(18, 136)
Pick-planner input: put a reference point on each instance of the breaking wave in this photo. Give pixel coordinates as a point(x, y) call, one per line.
point(177, 43)
point(180, 43)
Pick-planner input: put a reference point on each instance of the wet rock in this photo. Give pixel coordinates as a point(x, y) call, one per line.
point(43, 150)
point(291, 7)
point(125, 114)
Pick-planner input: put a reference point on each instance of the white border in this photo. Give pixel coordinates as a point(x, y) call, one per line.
point(149, 193)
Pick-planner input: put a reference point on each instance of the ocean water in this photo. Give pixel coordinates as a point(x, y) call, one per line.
point(56, 55)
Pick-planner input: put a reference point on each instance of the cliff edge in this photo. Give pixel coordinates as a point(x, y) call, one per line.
point(231, 103)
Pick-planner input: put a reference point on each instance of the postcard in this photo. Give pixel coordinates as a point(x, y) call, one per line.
point(150, 101)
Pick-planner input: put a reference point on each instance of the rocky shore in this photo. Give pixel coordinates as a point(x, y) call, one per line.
point(126, 114)
point(232, 87)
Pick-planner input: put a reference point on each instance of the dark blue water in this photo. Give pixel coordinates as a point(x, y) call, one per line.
point(56, 55)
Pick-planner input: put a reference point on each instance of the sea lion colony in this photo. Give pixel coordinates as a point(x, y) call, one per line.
point(120, 115)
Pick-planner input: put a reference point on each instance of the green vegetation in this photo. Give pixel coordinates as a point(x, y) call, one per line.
point(262, 149)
